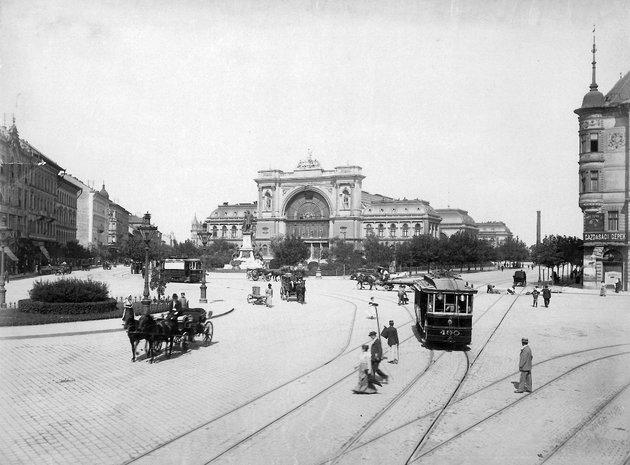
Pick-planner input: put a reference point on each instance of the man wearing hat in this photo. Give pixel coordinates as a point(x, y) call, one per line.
point(377, 355)
point(391, 334)
point(525, 367)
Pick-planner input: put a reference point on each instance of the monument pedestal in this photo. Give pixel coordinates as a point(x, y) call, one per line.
point(246, 254)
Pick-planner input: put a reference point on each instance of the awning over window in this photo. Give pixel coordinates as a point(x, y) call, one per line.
point(44, 251)
point(10, 254)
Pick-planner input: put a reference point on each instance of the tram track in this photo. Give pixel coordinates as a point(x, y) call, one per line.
point(497, 382)
point(525, 399)
point(365, 428)
point(346, 349)
point(315, 396)
point(340, 353)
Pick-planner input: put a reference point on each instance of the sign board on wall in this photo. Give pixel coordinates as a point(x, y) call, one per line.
point(605, 236)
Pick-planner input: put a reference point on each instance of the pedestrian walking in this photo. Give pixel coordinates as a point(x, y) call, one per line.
point(602, 290)
point(546, 293)
point(366, 381)
point(402, 296)
point(371, 309)
point(525, 368)
point(376, 352)
point(617, 285)
point(127, 316)
point(184, 301)
point(269, 295)
point(391, 334)
point(535, 295)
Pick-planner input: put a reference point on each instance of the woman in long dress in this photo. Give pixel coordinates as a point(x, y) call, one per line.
point(269, 295)
point(366, 382)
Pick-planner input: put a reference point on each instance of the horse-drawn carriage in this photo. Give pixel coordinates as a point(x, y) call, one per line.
point(293, 286)
point(373, 278)
point(165, 332)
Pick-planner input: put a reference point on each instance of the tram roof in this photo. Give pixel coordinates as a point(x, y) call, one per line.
point(433, 283)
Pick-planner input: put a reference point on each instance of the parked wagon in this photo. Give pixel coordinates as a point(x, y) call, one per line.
point(255, 297)
point(520, 278)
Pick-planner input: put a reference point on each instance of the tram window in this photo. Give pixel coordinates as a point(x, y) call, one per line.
point(439, 303)
point(462, 306)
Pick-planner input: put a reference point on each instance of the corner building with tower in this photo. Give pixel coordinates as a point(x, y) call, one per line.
point(604, 182)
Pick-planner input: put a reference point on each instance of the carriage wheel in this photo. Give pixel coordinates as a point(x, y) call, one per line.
point(183, 342)
point(157, 345)
point(208, 332)
point(389, 287)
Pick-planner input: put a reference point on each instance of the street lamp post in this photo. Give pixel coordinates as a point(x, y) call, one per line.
point(5, 233)
point(147, 231)
point(204, 235)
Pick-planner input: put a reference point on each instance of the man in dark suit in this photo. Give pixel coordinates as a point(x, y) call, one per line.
point(376, 356)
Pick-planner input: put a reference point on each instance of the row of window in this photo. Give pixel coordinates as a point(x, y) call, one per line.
point(418, 229)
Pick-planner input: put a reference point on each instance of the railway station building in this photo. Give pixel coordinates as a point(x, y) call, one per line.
point(319, 205)
point(604, 182)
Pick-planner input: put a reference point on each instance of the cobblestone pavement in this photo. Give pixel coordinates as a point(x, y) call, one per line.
point(78, 398)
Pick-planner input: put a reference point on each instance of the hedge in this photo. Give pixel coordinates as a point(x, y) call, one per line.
point(66, 308)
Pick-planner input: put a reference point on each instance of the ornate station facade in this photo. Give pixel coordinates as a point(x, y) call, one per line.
point(319, 205)
point(604, 180)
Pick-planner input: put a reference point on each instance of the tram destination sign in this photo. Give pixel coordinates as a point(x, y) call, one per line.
point(605, 236)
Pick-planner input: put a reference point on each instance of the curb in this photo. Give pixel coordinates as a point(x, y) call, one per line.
point(81, 333)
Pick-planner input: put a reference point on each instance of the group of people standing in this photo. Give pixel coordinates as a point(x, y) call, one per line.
point(369, 372)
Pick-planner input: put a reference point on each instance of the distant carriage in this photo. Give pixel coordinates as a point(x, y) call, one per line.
point(293, 286)
point(520, 278)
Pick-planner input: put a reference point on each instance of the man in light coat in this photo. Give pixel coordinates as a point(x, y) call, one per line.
point(525, 367)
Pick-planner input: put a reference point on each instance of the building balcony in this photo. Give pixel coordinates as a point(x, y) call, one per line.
point(591, 200)
point(591, 157)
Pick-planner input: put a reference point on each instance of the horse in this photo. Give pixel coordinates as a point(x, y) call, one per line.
point(145, 328)
point(168, 330)
point(363, 278)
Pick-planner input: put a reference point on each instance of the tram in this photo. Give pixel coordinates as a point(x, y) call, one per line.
point(443, 307)
point(182, 270)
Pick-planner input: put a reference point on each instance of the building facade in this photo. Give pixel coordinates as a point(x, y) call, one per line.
point(37, 204)
point(320, 205)
point(495, 232)
point(604, 181)
point(456, 220)
point(92, 215)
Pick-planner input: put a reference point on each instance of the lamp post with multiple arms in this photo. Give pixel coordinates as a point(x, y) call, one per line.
point(147, 230)
point(204, 235)
point(5, 233)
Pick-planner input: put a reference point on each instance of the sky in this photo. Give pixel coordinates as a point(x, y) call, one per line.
point(175, 106)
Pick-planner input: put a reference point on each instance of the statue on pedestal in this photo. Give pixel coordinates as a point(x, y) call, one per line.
point(248, 223)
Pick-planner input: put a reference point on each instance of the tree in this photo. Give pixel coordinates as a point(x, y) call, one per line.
point(288, 251)
point(512, 250)
point(376, 253)
point(342, 256)
point(186, 249)
point(218, 253)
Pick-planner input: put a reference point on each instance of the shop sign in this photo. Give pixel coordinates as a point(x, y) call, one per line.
point(609, 237)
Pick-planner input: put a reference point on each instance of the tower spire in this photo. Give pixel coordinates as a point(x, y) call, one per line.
point(594, 83)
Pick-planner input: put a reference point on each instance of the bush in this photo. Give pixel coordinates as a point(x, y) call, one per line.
point(67, 308)
point(69, 290)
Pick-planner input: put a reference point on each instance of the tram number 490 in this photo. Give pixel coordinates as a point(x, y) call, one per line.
point(449, 332)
